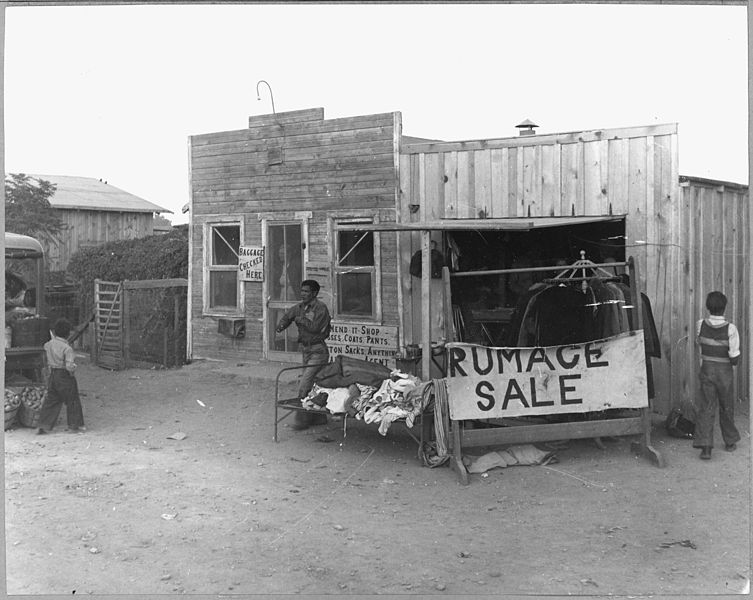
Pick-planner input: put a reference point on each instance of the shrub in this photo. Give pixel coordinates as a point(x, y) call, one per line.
point(161, 256)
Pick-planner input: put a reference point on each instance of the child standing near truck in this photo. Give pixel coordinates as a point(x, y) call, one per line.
point(62, 387)
point(719, 341)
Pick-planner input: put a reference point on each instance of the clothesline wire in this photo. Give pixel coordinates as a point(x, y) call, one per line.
point(333, 492)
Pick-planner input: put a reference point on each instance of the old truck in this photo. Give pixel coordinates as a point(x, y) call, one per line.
point(26, 326)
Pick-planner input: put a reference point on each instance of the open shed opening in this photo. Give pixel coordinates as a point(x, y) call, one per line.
point(486, 302)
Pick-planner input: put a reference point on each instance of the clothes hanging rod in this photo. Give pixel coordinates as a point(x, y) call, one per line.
point(568, 279)
point(534, 269)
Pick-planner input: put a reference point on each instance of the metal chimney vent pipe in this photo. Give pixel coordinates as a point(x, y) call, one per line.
point(527, 127)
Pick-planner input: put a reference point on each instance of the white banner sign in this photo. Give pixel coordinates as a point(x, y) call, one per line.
point(486, 383)
point(251, 263)
point(377, 343)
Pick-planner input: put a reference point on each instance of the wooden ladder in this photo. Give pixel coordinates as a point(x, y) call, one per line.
point(108, 324)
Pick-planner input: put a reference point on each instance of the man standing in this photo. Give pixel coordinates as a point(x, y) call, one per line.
point(312, 319)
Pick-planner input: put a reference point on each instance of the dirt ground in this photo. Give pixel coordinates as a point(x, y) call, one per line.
point(124, 509)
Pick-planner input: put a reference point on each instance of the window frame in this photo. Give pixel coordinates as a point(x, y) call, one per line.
point(208, 268)
point(374, 270)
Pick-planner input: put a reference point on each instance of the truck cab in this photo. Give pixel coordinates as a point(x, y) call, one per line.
point(26, 326)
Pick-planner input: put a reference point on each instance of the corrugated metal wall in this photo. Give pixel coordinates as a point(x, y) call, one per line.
point(715, 243)
point(630, 172)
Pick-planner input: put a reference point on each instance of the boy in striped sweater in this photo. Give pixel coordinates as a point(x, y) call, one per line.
point(719, 342)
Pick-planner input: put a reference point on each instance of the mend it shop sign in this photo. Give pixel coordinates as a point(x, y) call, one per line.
point(376, 343)
point(485, 383)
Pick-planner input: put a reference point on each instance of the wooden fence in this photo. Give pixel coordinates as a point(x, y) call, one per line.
point(140, 323)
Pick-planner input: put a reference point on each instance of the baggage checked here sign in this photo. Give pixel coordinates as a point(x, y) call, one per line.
point(485, 383)
point(377, 343)
point(251, 263)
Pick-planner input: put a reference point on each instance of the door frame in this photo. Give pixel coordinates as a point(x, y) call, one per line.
point(301, 218)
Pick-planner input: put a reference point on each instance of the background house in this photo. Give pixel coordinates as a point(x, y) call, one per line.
point(94, 212)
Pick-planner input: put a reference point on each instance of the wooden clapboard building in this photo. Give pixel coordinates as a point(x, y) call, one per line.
point(93, 213)
point(326, 199)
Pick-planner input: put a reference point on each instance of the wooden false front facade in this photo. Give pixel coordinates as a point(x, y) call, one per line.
point(285, 182)
point(292, 183)
point(688, 238)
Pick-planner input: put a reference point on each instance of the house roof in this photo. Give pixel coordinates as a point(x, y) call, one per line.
point(688, 179)
point(88, 193)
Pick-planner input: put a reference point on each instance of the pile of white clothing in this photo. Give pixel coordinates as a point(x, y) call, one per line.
point(399, 397)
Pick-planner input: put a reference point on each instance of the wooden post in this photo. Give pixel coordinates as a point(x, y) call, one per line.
point(164, 345)
point(449, 330)
point(644, 446)
point(426, 305)
point(126, 337)
point(456, 462)
point(176, 324)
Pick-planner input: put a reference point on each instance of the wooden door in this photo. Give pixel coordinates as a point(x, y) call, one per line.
point(284, 265)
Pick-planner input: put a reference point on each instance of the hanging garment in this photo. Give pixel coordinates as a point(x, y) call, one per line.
point(621, 301)
point(563, 315)
point(608, 309)
point(519, 316)
point(650, 333)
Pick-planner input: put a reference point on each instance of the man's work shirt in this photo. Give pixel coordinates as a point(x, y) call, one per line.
point(718, 339)
point(60, 355)
point(312, 320)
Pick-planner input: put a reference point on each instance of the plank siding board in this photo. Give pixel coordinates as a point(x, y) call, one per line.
point(557, 180)
point(466, 202)
point(497, 183)
point(603, 202)
point(618, 187)
point(426, 207)
point(332, 187)
point(312, 141)
point(293, 116)
point(241, 178)
point(451, 184)
point(312, 127)
point(592, 179)
point(433, 185)
point(292, 157)
point(743, 314)
point(520, 174)
point(678, 346)
point(257, 164)
point(713, 201)
point(528, 167)
point(406, 250)
point(656, 229)
point(637, 184)
point(548, 175)
point(482, 182)
point(570, 177)
point(562, 138)
point(512, 182)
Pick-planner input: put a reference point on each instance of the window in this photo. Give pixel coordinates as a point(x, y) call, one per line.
point(222, 290)
point(355, 273)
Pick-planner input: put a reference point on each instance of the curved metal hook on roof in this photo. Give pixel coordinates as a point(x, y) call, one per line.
point(269, 87)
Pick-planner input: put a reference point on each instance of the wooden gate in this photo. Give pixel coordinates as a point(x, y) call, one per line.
point(108, 325)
